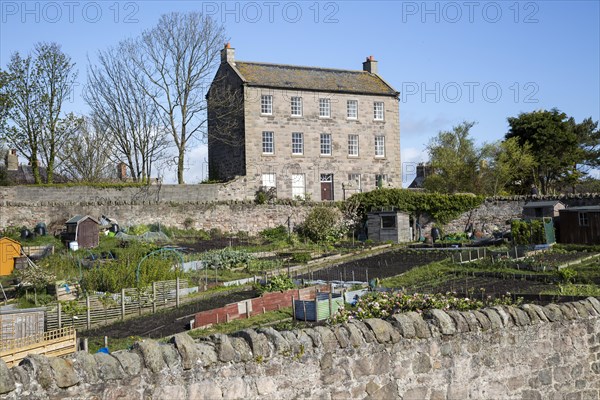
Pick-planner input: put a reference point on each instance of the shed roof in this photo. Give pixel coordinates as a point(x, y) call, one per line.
point(582, 209)
point(537, 204)
point(78, 218)
point(2, 239)
point(283, 76)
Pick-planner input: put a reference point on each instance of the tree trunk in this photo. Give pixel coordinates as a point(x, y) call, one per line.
point(180, 164)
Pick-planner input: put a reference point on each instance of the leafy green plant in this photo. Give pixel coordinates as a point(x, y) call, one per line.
point(278, 283)
point(277, 234)
point(384, 304)
point(566, 275)
point(301, 257)
point(226, 258)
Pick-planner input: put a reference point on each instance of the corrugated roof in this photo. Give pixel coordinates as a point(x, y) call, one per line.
point(312, 78)
point(537, 204)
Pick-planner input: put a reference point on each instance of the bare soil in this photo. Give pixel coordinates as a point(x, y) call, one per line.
point(168, 322)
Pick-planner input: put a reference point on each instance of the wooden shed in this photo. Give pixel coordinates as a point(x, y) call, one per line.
point(386, 226)
point(9, 250)
point(84, 230)
point(15, 324)
point(580, 225)
point(542, 209)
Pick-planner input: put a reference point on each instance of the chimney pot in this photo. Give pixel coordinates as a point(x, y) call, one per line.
point(228, 54)
point(370, 65)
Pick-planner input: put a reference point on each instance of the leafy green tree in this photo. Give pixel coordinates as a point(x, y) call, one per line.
point(511, 168)
point(456, 161)
point(39, 85)
point(561, 147)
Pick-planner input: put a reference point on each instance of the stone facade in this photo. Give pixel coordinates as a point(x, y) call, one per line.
point(236, 139)
point(527, 352)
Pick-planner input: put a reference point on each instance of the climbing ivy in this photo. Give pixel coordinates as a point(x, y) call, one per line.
point(443, 208)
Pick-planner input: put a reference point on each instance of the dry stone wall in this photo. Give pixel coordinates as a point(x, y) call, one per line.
point(529, 352)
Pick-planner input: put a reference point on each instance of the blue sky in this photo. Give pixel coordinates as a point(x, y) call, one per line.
point(478, 61)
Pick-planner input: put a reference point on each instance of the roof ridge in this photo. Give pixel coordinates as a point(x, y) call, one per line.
point(304, 67)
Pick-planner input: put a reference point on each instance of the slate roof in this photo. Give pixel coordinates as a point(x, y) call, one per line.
point(538, 204)
point(78, 218)
point(280, 76)
point(24, 176)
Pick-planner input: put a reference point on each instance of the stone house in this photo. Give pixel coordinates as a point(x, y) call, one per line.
point(303, 132)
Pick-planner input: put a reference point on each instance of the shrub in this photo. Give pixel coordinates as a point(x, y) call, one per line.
point(276, 234)
point(324, 224)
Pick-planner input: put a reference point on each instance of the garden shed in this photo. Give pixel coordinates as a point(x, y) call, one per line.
point(580, 225)
point(322, 307)
point(84, 230)
point(15, 324)
point(9, 250)
point(542, 209)
point(386, 226)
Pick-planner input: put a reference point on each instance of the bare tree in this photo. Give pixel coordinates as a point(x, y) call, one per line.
point(38, 86)
point(87, 157)
point(178, 58)
point(125, 110)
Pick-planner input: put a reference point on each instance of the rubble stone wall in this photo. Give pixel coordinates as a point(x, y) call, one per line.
point(529, 352)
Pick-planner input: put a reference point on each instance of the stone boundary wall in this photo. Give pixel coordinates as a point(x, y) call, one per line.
point(495, 212)
point(527, 352)
point(227, 206)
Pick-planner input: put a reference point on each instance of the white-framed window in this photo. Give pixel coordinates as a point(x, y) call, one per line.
point(297, 143)
point(296, 104)
point(354, 180)
point(298, 186)
point(269, 180)
point(378, 111)
point(379, 146)
point(583, 219)
point(381, 179)
point(325, 144)
point(268, 145)
point(324, 108)
point(266, 104)
point(352, 109)
point(353, 145)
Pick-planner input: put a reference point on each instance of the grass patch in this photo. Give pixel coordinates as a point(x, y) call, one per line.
point(96, 343)
point(430, 274)
point(267, 318)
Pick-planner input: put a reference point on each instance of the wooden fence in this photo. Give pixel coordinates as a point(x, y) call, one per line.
point(98, 309)
point(58, 342)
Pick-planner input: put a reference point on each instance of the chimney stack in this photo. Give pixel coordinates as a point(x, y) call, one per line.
point(12, 160)
point(122, 171)
point(228, 54)
point(370, 65)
